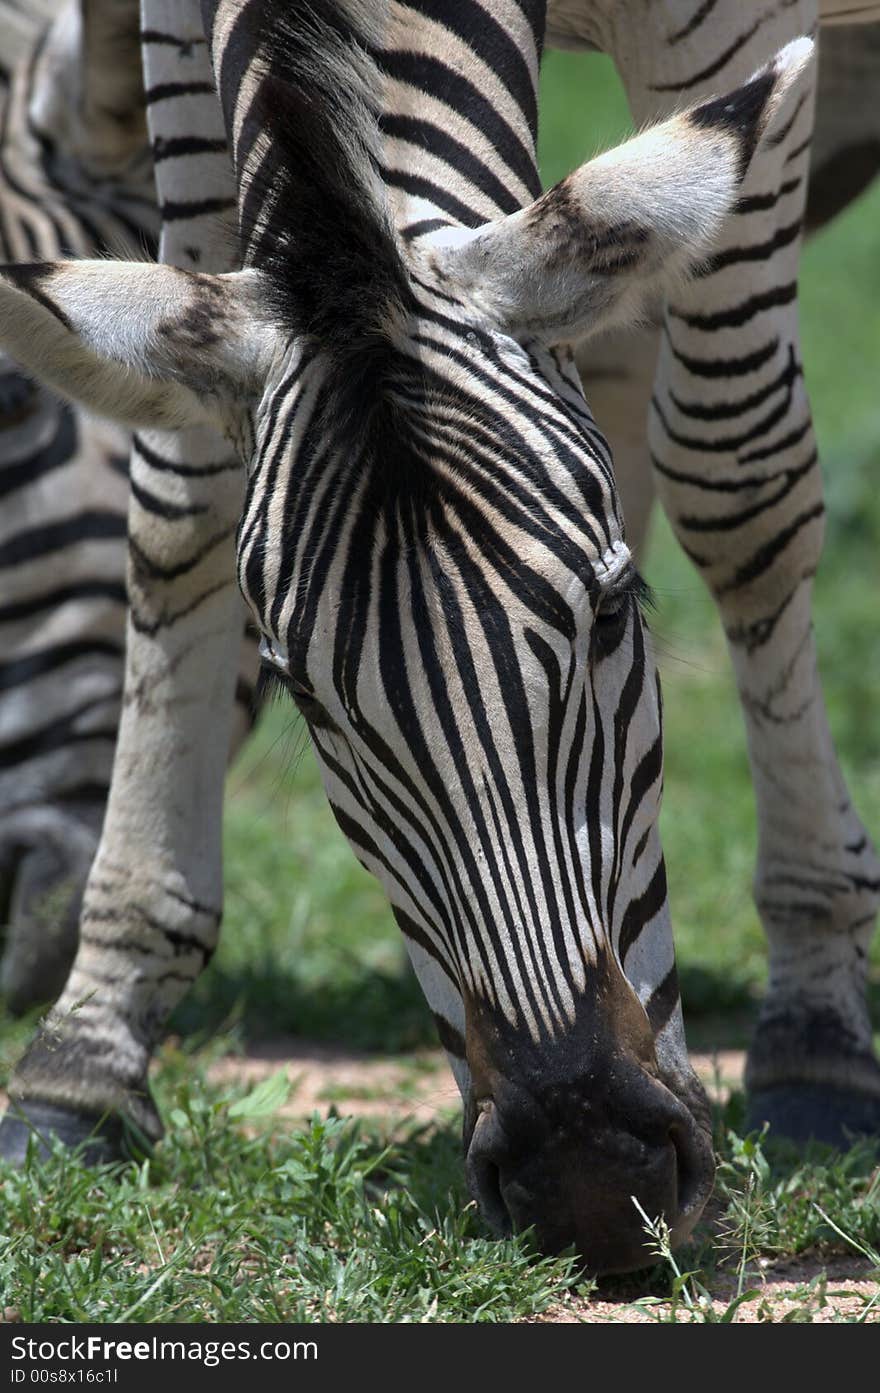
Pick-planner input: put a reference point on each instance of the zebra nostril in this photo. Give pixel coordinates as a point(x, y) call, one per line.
point(572, 1183)
point(693, 1162)
point(483, 1167)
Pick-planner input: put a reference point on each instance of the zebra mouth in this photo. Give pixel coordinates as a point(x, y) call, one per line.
point(574, 1183)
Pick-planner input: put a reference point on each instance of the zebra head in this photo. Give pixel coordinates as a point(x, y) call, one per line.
point(432, 547)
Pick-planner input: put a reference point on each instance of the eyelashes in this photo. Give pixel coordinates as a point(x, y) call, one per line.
point(613, 612)
point(274, 683)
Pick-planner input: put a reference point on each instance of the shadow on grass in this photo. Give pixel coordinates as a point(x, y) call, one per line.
point(379, 1010)
point(429, 1162)
point(382, 1010)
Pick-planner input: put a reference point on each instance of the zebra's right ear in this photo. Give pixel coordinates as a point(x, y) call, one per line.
point(144, 344)
point(598, 248)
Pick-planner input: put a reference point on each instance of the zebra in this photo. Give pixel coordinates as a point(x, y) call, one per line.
point(76, 179)
point(734, 460)
point(844, 160)
point(54, 774)
point(575, 1078)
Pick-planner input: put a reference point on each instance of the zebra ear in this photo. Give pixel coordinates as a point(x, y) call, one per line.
point(598, 248)
point(144, 344)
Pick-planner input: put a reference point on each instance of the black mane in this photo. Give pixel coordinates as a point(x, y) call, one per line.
point(313, 216)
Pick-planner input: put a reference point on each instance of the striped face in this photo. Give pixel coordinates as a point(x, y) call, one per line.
point(456, 614)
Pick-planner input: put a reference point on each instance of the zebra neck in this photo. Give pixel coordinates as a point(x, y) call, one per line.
point(459, 110)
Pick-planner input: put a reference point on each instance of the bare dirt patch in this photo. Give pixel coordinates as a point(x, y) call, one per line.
point(819, 1291)
point(417, 1086)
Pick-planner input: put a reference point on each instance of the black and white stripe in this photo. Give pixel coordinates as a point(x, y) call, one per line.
point(736, 466)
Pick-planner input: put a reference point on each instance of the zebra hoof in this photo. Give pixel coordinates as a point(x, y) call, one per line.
point(802, 1113)
point(35, 1125)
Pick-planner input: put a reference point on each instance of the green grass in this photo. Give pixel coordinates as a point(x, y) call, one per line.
point(768, 1208)
point(241, 1217)
point(322, 1222)
point(237, 1221)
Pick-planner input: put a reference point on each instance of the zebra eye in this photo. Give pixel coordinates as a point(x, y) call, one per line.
point(301, 695)
point(278, 678)
point(310, 707)
point(609, 624)
point(274, 681)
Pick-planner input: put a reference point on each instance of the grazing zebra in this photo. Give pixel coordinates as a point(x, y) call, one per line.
point(76, 179)
point(431, 543)
point(62, 647)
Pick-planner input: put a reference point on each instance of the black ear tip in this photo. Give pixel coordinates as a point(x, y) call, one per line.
point(743, 113)
point(740, 112)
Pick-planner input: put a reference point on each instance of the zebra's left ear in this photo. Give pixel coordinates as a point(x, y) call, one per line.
point(144, 344)
point(597, 248)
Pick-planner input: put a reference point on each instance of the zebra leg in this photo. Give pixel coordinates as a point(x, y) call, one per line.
point(74, 178)
point(618, 369)
point(736, 466)
point(151, 907)
point(62, 627)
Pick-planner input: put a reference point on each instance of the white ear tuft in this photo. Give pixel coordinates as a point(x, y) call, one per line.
point(600, 246)
point(790, 63)
point(144, 344)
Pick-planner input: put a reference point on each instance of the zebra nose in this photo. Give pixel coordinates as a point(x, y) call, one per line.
point(486, 1161)
point(577, 1186)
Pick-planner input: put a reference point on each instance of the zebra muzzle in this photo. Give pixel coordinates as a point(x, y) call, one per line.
point(574, 1177)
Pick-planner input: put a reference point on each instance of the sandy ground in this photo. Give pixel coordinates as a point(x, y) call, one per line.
point(369, 1086)
point(828, 1291)
point(421, 1088)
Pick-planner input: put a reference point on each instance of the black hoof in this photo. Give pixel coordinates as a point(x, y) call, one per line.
point(812, 1112)
point(98, 1139)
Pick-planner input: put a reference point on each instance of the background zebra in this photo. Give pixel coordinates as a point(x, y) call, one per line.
point(734, 458)
point(65, 495)
point(76, 179)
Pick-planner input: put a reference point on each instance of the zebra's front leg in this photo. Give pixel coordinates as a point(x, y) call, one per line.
point(152, 903)
point(737, 470)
